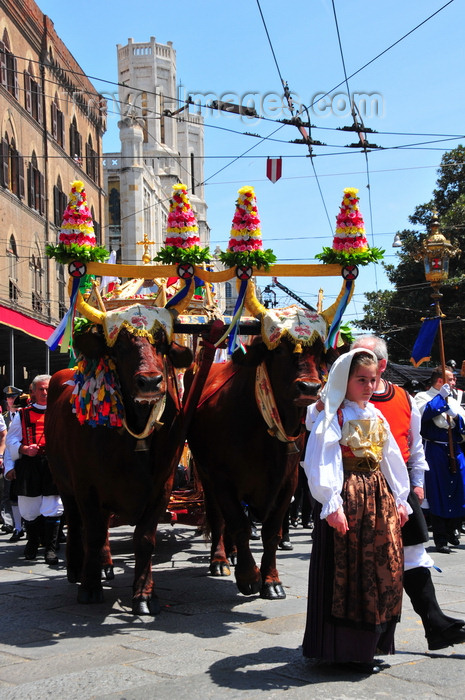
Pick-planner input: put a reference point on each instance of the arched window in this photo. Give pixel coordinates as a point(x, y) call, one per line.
point(35, 186)
point(12, 255)
point(75, 142)
point(62, 306)
point(91, 160)
point(11, 166)
point(192, 173)
point(37, 273)
point(8, 68)
point(59, 202)
point(57, 122)
point(97, 228)
point(32, 94)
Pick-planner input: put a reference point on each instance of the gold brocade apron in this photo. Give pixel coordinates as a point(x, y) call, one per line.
point(368, 559)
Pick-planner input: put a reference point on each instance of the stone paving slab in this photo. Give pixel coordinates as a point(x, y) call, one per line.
point(208, 642)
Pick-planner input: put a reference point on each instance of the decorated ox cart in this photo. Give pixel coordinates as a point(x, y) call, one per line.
point(117, 423)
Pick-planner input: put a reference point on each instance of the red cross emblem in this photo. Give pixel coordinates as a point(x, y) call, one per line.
point(185, 271)
point(244, 272)
point(77, 269)
point(350, 272)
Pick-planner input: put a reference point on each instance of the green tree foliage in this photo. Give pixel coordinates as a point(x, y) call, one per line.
point(396, 315)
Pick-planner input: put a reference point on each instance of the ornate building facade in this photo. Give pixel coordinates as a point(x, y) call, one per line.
point(161, 145)
point(52, 121)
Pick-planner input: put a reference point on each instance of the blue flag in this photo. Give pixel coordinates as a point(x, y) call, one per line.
point(422, 349)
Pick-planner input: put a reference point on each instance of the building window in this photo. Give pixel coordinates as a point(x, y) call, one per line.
point(97, 227)
point(75, 142)
point(147, 212)
point(91, 160)
point(192, 174)
point(32, 95)
point(8, 70)
point(12, 255)
point(57, 122)
point(11, 167)
point(35, 186)
point(162, 118)
point(37, 272)
point(62, 307)
point(59, 203)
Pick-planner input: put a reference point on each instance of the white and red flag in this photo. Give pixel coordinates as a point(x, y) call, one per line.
point(274, 169)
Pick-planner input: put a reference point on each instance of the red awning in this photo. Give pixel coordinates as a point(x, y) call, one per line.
point(26, 324)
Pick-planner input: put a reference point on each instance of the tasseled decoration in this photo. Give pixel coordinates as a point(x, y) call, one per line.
point(96, 398)
point(63, 331)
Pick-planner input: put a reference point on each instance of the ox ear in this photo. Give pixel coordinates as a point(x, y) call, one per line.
point(254, 355)
point(179, 355)
point(91, 343)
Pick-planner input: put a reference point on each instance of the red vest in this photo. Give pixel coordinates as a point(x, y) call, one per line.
point(394, 404)
point(33, 424)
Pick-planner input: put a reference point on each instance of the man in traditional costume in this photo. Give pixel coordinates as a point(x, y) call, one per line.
point(445, 481)
point(404, 421)
point(26, 462)
point(356, 472)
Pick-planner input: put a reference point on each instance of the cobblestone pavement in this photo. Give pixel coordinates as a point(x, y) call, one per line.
point(209, 641)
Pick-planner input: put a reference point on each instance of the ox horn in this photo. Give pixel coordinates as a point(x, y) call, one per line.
point(329, 313)
point(88, 311)
point(251, 302)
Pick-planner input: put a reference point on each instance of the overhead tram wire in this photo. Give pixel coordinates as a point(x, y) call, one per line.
point(287, 94)
point(359, 127)
point(365, 65)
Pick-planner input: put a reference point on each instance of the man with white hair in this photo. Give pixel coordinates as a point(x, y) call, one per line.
point(404, 419)
point(26, 461)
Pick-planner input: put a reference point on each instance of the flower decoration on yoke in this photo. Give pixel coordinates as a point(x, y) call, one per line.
point(182, 242)
point(350, 246)
point(245, 245)
point(76, 240)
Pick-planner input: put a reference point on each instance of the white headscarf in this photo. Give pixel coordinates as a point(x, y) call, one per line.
point(335, 390)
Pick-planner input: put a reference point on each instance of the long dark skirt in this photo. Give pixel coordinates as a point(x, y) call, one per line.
point(333, 639)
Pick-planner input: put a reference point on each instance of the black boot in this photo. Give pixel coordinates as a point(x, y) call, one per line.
point(51, 531)
point(33, 531)
point(441, 630)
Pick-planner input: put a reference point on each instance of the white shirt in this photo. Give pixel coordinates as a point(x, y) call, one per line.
point(323, 460)
point(14, 439)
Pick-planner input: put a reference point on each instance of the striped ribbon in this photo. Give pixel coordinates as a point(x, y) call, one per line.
point(63, 331)
point(333, 332)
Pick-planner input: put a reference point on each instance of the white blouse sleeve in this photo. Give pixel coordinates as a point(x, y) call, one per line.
point(323, 465)
point(395, 471)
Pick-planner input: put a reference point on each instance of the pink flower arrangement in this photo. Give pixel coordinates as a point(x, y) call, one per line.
point(350, 227)
point(77, 225)
point(245, 230)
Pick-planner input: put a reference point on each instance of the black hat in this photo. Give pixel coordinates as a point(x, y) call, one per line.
point(12, 391)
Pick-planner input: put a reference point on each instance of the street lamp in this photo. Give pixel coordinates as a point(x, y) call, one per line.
point(435, 252)
point(269, 297)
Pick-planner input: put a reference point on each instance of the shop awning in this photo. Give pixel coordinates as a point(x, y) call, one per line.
point(26, 324)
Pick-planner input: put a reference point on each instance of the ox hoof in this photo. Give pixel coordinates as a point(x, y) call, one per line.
point(220, 568)
point(89, 596)
point(146, 606)
point(272, 591)
point(249, 588)
point(73, 575)
point(108, 573)
point(233, 558)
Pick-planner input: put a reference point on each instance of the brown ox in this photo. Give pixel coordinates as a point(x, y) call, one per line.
point(240, 462)
point(102, 470)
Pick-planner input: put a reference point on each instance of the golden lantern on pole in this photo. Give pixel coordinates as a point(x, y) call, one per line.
point(436, 252)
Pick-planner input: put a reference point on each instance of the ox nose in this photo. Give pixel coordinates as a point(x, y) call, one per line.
point(149, 383)
point(308, 388)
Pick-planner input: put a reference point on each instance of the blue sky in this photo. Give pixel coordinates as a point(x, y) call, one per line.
point(416, 91)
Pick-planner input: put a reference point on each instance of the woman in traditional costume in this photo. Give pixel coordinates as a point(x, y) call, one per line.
point(356, 472)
